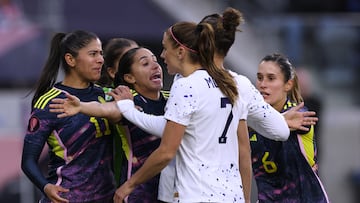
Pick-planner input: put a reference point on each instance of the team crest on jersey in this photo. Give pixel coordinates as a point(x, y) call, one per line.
point(34, 124)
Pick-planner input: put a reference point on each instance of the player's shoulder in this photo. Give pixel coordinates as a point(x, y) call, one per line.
point(44, 99)
point(242, 80)
point(291, 104)
point(97, 89)
point(180, 81)
point(245, 87)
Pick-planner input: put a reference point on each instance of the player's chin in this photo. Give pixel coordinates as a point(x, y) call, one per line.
point(157, 87)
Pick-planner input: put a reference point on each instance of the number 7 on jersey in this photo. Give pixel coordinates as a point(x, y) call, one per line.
point(224, 101)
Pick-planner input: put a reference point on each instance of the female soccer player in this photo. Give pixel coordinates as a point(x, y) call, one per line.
point(285, 171)
point(80, 165)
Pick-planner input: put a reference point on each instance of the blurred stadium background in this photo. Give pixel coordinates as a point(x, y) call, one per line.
point(321, 37)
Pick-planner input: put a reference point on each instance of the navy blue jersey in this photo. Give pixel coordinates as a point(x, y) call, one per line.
point(80, 147)
point(286, 171)
point(140, 145)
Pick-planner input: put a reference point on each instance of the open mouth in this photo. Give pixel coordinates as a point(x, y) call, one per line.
point(155, 77)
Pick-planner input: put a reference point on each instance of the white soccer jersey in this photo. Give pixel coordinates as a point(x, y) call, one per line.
point(207, 167)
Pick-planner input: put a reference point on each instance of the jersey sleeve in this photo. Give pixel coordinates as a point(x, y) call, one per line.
point(152, 124)
point(262, 117)
point(29, 165)
point(241, 109)
point(38, 130)
point(182, 102)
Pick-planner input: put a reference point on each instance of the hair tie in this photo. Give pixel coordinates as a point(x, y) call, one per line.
point(178, 42)
point(199, 28)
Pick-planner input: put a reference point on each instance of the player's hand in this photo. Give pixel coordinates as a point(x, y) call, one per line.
point(52, 192)
point(65, 107)
point(122, 193)
point(121, 92)
point(298, 120)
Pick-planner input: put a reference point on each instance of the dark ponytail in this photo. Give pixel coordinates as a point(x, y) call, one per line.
point(50, 71)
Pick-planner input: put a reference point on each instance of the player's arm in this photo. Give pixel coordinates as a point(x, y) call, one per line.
point(29, 165)
point(274, 125)
point(268, 122)
point(72, 105)
point(245, 158)
point(152, 124)
point(158, 160)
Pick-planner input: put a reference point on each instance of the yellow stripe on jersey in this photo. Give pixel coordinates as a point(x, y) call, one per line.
point(55, 146)
point(289, 104)
point(133, 92)
point(165, 93)
point(44, 99)
point(308, 145)
point(41, 99)
point(125, 145)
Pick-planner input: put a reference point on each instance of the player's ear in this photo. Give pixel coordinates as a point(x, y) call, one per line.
point(70, 60)
point(289, 85)
point(111, 71)
point(129, 78)
point(180, 52)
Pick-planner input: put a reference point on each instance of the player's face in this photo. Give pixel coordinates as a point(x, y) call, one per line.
point(270, 83)
point(146, 73)
point(169, 55)
point(88, 63)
